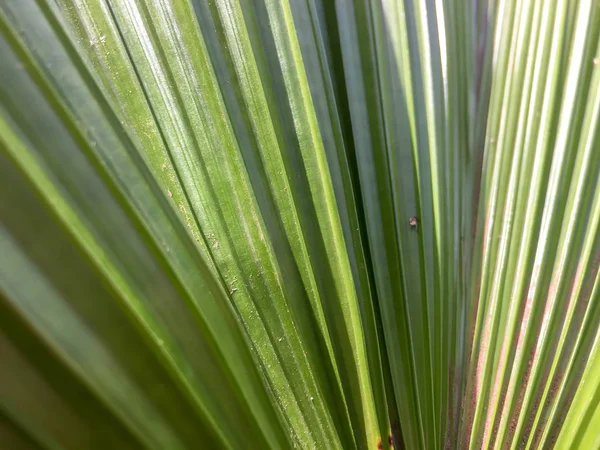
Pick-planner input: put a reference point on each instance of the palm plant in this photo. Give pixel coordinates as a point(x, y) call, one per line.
point(311, 224)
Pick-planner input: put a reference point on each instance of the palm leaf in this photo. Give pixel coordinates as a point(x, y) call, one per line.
point(276, 224)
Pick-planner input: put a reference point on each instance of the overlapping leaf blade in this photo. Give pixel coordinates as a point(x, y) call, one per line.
point(154, 65)
point(127, 305)
point(273, 224)
point(537, 226)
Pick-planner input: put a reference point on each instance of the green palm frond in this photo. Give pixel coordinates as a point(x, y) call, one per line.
point(314, 224)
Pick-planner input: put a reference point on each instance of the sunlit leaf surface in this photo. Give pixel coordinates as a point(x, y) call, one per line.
point(316, 224)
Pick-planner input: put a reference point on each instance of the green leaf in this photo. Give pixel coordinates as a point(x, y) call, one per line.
point(101, 270)
point(538, 226)
point(299, 223)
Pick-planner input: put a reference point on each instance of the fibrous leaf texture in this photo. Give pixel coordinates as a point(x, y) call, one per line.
point(314, 224)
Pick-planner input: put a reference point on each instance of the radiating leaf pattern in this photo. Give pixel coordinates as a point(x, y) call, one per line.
point(312, 224)
point(538, 228)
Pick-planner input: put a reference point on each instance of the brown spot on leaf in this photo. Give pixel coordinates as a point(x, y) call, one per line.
point(413, 222)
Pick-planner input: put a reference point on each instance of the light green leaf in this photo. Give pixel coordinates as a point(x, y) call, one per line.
point(256, 224)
